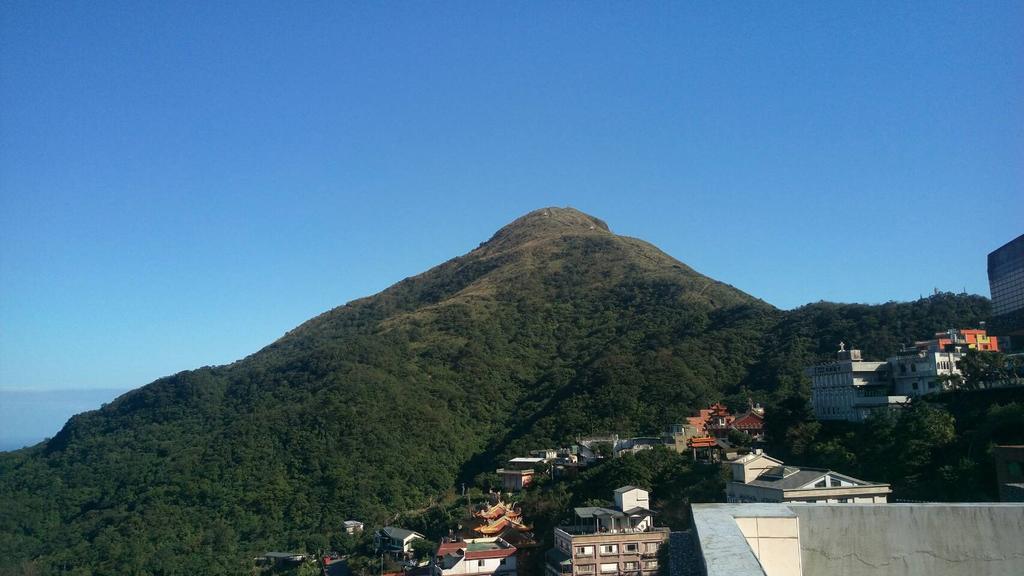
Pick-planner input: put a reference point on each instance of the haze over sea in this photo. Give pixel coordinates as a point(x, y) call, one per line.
point(28, 417)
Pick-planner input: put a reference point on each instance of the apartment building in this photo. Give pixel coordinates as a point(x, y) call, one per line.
point(850, 388)
point(617, 540)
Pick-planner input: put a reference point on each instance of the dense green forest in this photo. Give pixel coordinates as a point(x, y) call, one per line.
point(553, 328)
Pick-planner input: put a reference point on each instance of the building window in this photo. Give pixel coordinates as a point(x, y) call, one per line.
point(609, 568)
point(820, 483)
point(585, 569)
point(631, 566)
point(609, 549)
point(651, 547)
point(630, 547)
point(584, 550)
point(836, 482)
point(650, 564)
point(481, 562)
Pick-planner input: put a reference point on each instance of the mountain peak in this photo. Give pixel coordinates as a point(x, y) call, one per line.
point(550, 221)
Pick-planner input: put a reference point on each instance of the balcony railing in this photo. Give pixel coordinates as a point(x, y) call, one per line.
point(578, 530)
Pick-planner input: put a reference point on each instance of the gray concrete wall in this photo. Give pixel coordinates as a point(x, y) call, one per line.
point(911, 539)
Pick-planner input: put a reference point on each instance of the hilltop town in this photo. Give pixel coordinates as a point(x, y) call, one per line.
point(487, 529)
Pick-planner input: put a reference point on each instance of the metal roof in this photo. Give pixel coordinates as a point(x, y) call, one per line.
point(598, 512)
point(639, 511)
point(399, 533)
point(627, 489)
point(797, 478)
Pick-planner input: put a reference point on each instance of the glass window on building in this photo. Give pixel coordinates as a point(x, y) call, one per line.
point(609, 568)
point(609, 549)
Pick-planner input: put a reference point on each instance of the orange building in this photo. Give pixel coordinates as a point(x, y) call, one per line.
point(973, 339)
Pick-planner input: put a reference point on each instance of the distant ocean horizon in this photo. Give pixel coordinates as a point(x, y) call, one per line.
point(27, 417)
point(11, 444)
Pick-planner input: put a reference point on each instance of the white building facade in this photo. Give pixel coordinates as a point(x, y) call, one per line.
point(851, 388)
point(919, 372)
point(609, 541)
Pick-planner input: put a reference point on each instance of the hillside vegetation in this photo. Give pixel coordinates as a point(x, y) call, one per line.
point(553, 328)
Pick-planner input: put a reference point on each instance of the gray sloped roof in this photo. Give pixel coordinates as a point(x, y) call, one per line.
point(790, 482)
point(399, 533)
point(639, 511)
point(597, 511)
point(800, 477)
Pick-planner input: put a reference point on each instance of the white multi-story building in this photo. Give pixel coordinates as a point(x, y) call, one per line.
point(609, 541)
point(919, 371)
point(475, 557)
point(850, 388)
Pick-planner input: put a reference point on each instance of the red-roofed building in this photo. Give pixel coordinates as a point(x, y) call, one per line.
point(752, 423)
point(475, 557)
point(716, 421)
point(712, 421)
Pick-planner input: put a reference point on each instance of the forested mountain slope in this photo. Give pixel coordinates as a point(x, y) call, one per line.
point(554, 327)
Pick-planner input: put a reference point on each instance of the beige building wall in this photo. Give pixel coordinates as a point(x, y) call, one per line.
point(632, 499)
point(749, 469)
point(775, 542)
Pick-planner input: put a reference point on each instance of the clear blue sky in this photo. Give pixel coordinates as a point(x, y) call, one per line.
point(181, 183)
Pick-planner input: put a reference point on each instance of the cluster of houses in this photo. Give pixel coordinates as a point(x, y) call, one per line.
point(705, 435)
point(622, 538)
point(498, 543)
point(851, 388)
